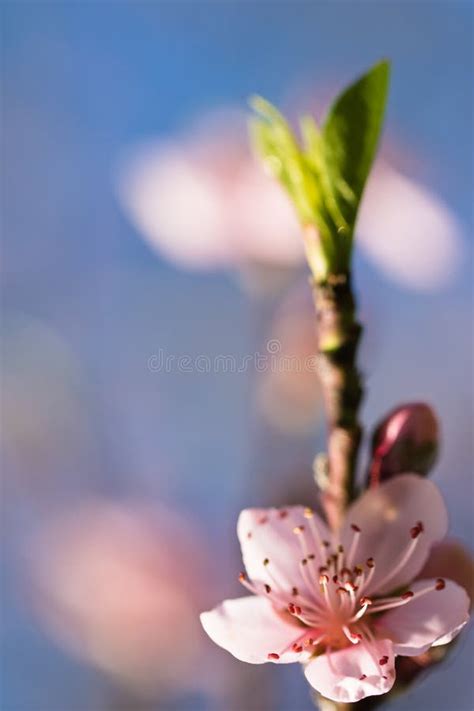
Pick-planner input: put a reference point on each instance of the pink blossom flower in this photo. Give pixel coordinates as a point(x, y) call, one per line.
point(343, 604)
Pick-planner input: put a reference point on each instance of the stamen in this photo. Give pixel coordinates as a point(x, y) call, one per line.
point(354, 544)
point(365, 582)
point(299, 531)
point(354, 638)
point(389, 602)
point(405, 557)
point(417, 529)
point(362, 610)
point(247, 584)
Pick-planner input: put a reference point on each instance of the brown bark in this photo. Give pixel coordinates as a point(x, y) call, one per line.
point(338, 338)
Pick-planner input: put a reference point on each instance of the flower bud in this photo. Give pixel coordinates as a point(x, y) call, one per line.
point(406, 440)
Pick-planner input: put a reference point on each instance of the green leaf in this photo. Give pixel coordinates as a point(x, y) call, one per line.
point(351, 134)
point(325, 176)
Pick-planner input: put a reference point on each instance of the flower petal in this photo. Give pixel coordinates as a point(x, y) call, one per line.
point(435, 617)
point(250, 628)
point(386, 514)
point(268, 535)
point(354, 672)
point(450, 559)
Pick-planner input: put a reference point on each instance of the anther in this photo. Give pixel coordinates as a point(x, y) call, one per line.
point(291, 608)
point(311, 556)
point(358, 570)
point(355, 528)
point(273, 655)
point(308, 642)
point(249, 534)
point(242, 577)
point(304, 561)
point(362, 677)
point(326, 544)
point(283, 513)
point(408, 595)
point(323, 569)
point(266, 561)
point(297, 648)
point(366, 601)
point(323, 579)
point(297, 609)
point(440, 584)
point(335, 579)
point(370, 562)
point(416, 530)
point(298, 530)
point(267, 588)
point(308, 513)
point(262, 520)
point(383, 660)
point(340, 549)
point(294, 591)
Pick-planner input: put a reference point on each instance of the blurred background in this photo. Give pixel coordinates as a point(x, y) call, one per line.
point(137, 227)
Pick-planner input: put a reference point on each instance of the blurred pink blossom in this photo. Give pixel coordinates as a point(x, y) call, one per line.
point(121, 587)
point(203, 201)
point(325, 611)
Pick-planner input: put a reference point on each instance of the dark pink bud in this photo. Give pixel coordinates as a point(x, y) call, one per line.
point(405, 441)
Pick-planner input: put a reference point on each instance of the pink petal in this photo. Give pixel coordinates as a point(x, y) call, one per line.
point(433, 618)
point(251, 629)
point(340, 675)
point(385, 515)
point(450, 559)
point(268, 535)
